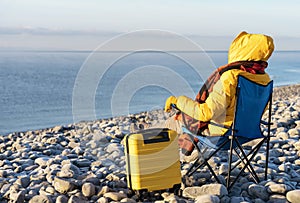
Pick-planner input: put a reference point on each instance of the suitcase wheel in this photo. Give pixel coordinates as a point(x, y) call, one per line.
point(142, 194)
point(177, 190)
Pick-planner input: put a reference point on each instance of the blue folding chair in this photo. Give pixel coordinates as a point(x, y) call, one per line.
point(251, 101)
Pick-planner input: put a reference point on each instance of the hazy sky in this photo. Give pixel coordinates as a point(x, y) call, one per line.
point(81, 24)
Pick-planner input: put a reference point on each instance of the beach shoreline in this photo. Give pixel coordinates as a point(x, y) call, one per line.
point(85, 162)
point(279, 93)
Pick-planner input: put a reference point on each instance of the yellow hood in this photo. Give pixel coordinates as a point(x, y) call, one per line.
point(250, 47)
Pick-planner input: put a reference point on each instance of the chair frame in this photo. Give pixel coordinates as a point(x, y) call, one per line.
point(233, 139)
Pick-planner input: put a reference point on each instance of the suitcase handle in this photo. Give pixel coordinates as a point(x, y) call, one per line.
point(160, 137)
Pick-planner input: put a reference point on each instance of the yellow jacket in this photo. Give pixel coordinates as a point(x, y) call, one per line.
point(219, 105)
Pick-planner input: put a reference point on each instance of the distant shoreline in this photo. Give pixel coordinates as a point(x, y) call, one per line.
point(288, 92)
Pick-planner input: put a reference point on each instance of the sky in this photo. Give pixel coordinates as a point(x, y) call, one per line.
point(83, 25)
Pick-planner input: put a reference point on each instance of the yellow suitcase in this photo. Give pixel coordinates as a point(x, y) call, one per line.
point(152, 160)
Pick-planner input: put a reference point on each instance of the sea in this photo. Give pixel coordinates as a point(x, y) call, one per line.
point(41, 89)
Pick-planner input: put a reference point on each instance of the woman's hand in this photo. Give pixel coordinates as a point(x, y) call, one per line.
point(171, 100)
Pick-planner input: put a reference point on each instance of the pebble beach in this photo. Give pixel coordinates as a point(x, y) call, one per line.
point(85, 162)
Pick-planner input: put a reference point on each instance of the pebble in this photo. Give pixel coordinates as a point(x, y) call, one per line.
point(258, 191)
point(61, 199)
point(63, 185)
point(40, 199)
point(88, 189)
point(283, 135)
point(102, 200)
point(236, 199)
point(18, 197)
point(128, 200)
point(211, 189)
point(42, 161)
point(207, 199)
point(76, 199)
point(276, 198)
point(116, 196)
point(278, 188)
point(293, 196)
point(70, 167)
point(23, 181)
point(82, 162)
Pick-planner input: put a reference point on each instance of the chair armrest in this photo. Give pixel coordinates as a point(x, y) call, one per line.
point(219, 125)
point(266, 123)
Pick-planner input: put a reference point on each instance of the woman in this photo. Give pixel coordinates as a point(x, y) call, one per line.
point(215, 102)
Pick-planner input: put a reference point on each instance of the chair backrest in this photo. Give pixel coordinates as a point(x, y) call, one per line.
point(252, 100)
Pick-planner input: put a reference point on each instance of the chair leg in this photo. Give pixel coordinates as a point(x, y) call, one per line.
point(212, 171)
point(205, 161)
point(268, 136)
point(251, 170)
point(252, 150)
point(193, 166)
point(267, 158)
point(230, 161)
point(248, 160)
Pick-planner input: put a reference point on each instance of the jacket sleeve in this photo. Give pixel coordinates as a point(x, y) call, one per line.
point(193, 108)
point(214, 107)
